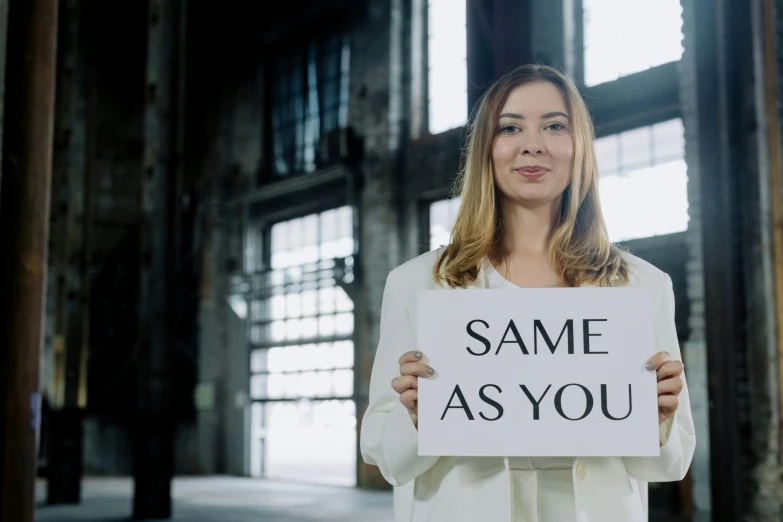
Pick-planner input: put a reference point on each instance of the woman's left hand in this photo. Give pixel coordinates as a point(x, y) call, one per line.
point(669, 383)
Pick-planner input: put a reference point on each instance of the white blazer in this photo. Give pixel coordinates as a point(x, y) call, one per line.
point(452, 489)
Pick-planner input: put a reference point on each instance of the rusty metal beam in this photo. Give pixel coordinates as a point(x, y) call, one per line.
point(775, 160)
point(727, 163)
point(24, 230)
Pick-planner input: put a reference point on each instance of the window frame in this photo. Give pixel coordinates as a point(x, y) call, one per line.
point(420, 75)
point(263, 221)
point(318, 33)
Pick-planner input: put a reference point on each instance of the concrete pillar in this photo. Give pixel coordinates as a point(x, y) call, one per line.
point(68, 388)
point(378, 109)
point(155, 422)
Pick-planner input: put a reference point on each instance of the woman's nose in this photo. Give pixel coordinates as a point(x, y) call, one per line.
point(532, 151)
point(532, 145)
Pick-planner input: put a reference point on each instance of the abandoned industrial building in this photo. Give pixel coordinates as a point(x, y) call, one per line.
point(201, 205)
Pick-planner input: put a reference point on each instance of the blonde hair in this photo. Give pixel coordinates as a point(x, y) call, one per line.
point(580, 251)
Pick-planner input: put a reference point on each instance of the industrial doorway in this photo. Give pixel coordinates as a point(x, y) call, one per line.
point(301, 346)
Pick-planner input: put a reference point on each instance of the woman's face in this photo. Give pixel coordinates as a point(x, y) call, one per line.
point(533, 147)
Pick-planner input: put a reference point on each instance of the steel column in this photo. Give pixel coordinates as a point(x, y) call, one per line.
point(155, 422)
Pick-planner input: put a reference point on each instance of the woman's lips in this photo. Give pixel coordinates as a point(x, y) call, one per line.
point(532, 173)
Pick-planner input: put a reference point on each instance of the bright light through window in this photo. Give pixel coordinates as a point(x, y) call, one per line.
point(643, 185)
point(302, 353)
point(628, 36)
point(643, 181)
point(443, 215)
point(448, 69)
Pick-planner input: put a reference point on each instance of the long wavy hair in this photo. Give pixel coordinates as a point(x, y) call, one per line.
point(579, 248)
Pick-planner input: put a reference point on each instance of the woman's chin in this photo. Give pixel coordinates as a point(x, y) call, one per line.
point(533, 198)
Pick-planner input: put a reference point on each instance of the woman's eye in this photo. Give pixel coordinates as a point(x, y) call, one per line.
point(557, 127)
point(508, 129)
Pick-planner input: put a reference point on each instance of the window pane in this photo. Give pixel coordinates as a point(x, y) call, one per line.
point(258, 361)
point(343, 302)
point(342, 354)
point(278, 331)
point(344, 323)
point(309, 300)
point(276, 386)
point(321, 357)
point(443, 214)
point(646, 202)
point(342, 383)
point(646, 195)
point(447, 58)
point(607, 155)
point(636, 148)
point(258, 386)
point(309, 327)
point(669, 140)
point(310, 98)
point(327, 325)
point(329, 225)
point(625, 37)
point(293, 329)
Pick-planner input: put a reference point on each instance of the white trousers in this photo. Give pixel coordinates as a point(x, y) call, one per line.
point(542, 490)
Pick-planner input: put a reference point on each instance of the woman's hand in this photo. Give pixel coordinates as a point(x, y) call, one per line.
point(407, 384)
point(669, 383)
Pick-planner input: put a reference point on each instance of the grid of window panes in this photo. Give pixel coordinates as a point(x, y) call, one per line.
point(443, 215)
point(628, 36)
point(643, 181)
point(309, 99)
point(448, 67)
point(301, 322)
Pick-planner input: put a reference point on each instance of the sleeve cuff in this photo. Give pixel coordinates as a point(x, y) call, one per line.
point(401, 441)
point(665, 429)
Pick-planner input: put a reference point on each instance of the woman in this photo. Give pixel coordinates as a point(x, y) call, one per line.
point(530, 217)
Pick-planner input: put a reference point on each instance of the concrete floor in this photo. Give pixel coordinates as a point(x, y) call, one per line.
point(225, 499)
point(230, 499)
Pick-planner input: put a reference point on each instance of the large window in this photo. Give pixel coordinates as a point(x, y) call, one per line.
point(642, 185)
point(448, 69)
point(301, 324)
point(643, 181)
point(628, 36)
point(309, 98)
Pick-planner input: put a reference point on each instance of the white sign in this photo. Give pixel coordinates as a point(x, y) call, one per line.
point(537, 372)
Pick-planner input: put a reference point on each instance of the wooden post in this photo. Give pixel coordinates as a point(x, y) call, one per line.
point(24, 234)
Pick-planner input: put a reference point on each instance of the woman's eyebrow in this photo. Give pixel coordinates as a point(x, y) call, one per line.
point(546, 116)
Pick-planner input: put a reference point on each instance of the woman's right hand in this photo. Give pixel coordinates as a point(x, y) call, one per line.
point(407, 384)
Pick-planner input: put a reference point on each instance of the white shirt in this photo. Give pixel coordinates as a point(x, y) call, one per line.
point(542, 488)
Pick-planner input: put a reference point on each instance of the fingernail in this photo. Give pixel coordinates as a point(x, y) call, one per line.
point(417, 355)
point(430, 370)
point(650, 366)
